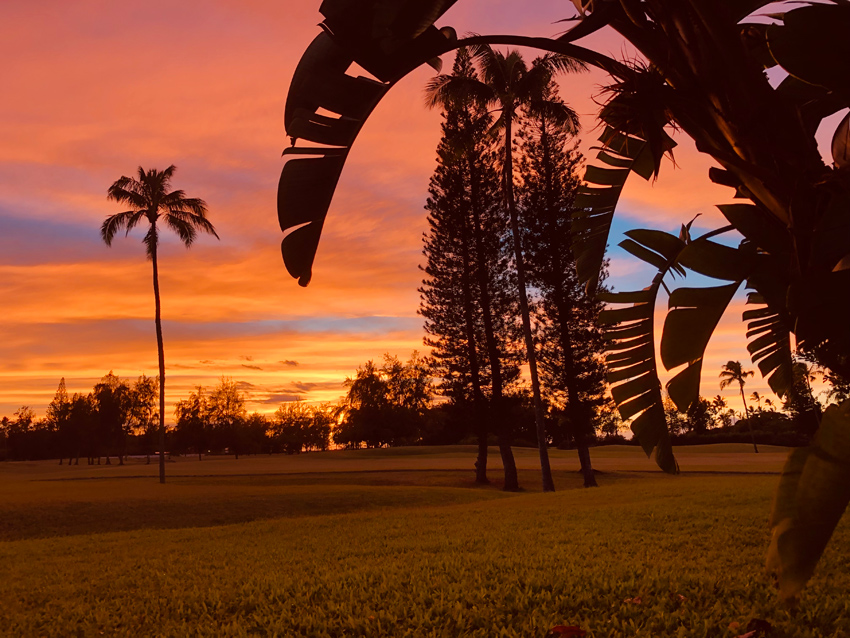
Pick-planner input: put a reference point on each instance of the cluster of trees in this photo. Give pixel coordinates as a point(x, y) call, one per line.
point(116, 418)
point(218, 422)
point(500, 287)
point(120, 418)
point(386, 404)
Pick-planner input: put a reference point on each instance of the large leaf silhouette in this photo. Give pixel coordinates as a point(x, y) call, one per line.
point(691, 320)
point(812, 496)
point(597, 199)
point(630, 342)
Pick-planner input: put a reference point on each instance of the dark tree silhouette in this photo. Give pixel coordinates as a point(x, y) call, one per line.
point(114, 404)
point(468, 297)
point(58, 414)
point(385, 405)
point(149, 199)
point(570, 341)
point(506, 85)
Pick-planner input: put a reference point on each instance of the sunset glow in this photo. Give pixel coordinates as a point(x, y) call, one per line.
point(93, 89)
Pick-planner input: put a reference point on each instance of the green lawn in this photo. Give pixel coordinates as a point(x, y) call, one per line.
point(401, 543)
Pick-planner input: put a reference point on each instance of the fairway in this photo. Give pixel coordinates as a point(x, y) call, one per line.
point(400, 542)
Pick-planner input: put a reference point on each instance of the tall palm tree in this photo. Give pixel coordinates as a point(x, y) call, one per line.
point(149, 198)
point(506, 84)
point(732, 372)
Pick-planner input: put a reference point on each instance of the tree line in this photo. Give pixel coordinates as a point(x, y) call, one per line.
point(120, 418)
point(386, 404)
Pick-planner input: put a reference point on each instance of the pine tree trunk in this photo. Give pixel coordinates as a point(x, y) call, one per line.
point(542, 443)
point(161, 354)
point(508, 464)
point(474, 369)
point(565, 318)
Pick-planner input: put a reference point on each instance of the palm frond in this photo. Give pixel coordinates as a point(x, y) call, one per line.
point(151, 240)
point(184, 229)
point(198, 221)
point(112, 224)
point(556, 113)
point(561, 63)
point(448, 90)
point(127, 190)
point(134, 220)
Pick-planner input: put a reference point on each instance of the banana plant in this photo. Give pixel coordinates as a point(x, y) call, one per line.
point(700, 69)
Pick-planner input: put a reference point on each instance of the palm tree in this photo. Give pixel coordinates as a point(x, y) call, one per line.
point(149, 198)
point(505, 86)
point(755, 396)
point(731, 372)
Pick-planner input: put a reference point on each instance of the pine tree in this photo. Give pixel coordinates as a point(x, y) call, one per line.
point(569, 342)
point(467, 298)
point(58, 414)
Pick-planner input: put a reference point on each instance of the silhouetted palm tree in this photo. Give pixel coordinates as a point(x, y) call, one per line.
point(731, 372)
point(506, 85)
point(149, 198)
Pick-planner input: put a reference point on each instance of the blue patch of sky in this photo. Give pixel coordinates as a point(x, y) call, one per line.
point(639, 274)
point(27, 241)
point(373, 326)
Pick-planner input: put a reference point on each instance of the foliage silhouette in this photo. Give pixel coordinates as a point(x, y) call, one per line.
point(507, 84)
point(701, 70)
point(473, 343)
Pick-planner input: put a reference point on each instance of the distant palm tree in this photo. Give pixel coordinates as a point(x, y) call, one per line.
point(755, 396)
point(149, 198)
point(506, 85)
point(731, 372)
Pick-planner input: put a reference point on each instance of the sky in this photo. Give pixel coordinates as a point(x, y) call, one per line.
point(92, 89)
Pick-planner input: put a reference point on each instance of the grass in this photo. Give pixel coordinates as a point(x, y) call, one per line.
point(401, 543)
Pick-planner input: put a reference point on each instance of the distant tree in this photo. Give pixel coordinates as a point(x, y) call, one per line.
point(5, 424)
point(610, 422)
point(699, 416)
point(733, 372)
point(144, 414)
point(192, 431)
point(19, 435)
point(58, 416)
point(150, 199)
point(253, 438)
point(114, 404)
point(289, 426)
point(755, 396)
point(227, 415)
point(385, 405)
point(321, 423)
point(82, 427)
point(720, 412)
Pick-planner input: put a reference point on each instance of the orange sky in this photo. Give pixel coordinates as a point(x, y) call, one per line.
point(94, 88)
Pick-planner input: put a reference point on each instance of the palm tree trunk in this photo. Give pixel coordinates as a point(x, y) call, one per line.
point(161, 353)
point(749, 422)
point(542, 445)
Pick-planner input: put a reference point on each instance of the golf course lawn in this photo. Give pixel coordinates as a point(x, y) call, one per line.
point(401, 542)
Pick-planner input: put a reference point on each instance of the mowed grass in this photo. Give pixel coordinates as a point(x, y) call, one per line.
point(401, 543)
